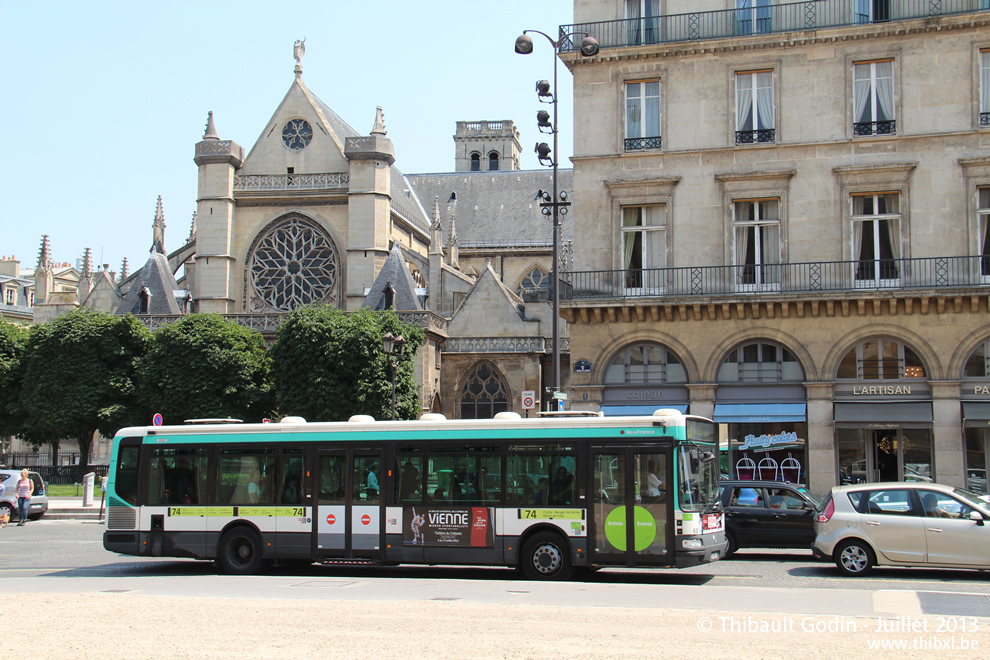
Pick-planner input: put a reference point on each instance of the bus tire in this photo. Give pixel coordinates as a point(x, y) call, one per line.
point(546, 556)
point(240, 552)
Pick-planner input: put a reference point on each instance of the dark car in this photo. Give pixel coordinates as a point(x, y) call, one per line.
point(768, 514)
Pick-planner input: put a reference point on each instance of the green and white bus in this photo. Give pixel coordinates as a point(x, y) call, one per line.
point(547, 494)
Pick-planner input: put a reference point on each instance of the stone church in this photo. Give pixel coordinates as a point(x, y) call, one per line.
point(316, 212)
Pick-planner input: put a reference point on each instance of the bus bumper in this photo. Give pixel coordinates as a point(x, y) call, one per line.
point(125, 543)
point(699, 549)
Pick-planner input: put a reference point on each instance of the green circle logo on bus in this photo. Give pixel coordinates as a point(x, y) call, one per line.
point(645, 528)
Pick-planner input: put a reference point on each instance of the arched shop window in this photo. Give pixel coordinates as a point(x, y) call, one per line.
point(760, 362)
point(880, 359)
point(484, 393)
point(976, 364)
point(977, 427)
point(646, 363)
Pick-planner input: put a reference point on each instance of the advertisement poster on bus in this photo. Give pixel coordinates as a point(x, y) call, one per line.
point(469, 527)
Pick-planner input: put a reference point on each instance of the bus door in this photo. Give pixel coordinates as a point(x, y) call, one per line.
point(632, 521)
point(349, 516)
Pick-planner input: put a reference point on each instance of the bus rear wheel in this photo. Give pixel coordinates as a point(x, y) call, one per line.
point(240, 552)
point(545, 556)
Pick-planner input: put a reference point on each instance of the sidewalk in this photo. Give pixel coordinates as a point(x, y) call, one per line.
point(71, 508)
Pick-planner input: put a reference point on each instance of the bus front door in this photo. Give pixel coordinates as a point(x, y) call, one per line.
point(632, 522)
point(349, 517)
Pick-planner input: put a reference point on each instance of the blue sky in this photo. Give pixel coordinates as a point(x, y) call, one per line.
point(105, 101)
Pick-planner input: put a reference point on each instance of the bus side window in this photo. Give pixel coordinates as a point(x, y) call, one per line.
point(126, 477)
point(409, 484)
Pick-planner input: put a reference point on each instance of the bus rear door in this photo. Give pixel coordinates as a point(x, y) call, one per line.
point(632, 522)
point(349, 515)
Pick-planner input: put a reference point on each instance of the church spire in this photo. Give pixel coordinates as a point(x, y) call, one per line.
point(125, 270)
point(45, 254)
point(192, 229)
point(436, 240)
point(158, 242)
point(379, 127)
point(211, 129)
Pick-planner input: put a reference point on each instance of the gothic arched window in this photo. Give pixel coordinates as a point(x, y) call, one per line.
point(484, 394)
point(537, 278)
point(292, 263)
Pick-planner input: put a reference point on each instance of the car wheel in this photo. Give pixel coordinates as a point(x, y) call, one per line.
point(730, 547)
point(854, 558)
point(545, 556)
point(240, 552)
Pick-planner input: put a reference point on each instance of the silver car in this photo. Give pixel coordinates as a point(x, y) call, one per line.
point(902, 524)
point(8, 502)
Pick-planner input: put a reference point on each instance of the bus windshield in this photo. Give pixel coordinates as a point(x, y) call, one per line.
point(698, 478)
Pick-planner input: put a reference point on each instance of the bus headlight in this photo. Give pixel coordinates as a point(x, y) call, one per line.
point(692, 544)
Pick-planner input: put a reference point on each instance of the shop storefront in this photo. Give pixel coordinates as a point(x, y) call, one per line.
point(883, 415)
point(762, 414)
point(643, 378)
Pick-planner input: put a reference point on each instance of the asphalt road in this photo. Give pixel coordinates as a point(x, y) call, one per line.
point(62, 565)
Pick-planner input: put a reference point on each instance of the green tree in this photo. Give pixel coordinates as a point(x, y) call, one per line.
point(330, 365)
point(13, 339)
point(79, 378)
point(205, 366)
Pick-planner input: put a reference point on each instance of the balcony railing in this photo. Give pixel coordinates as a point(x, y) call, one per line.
point(825, 276)
point(790, 17)
point(888, 127)
point(324, 181)
point(642, 144)
point(753, 137)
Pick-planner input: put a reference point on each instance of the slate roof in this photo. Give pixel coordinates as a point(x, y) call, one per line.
point(403, 197)
point(395, 272)
point(157, 277)
point(496, 208)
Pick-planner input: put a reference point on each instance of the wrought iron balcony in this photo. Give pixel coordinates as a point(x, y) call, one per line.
point(875, 127)
point(642, 144)
point(753, 137)
point(777, 18)
point(796, 278)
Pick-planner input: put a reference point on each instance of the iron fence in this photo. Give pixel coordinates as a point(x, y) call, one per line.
point(773, 19)
point(824, 276)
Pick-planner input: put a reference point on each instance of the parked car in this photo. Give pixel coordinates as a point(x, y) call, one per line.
point(8, 503)
point(767, 514)
point(903, 524)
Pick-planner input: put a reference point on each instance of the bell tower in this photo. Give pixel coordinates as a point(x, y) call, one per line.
point(485, 146)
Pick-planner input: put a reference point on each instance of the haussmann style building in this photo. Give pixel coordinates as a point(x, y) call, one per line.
point(782, 212)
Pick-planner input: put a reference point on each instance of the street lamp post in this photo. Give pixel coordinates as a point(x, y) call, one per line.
point(393, 347)
point(553, 203)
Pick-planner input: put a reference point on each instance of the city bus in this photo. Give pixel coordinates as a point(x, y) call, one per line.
point(548, 494)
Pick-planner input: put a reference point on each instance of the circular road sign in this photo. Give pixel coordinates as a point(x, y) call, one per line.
point(157, 419)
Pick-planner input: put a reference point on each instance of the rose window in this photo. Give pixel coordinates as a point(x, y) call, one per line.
point(296, 134)
point(293, 264)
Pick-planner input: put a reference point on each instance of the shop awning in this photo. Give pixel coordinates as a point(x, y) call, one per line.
point(619, 411)
point(755, 413)
point(979, 410)
point(920, 411)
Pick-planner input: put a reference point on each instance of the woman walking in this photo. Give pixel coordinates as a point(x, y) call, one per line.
point(25, 489)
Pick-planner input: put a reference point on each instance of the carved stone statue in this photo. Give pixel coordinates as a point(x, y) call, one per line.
point(299, 49)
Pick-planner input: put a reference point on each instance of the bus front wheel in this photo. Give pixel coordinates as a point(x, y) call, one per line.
point(545, 556)
point(240, 552)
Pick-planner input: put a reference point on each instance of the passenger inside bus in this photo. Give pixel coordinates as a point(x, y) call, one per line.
point(563, 485)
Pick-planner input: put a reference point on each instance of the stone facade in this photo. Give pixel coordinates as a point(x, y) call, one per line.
point(788, 220)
